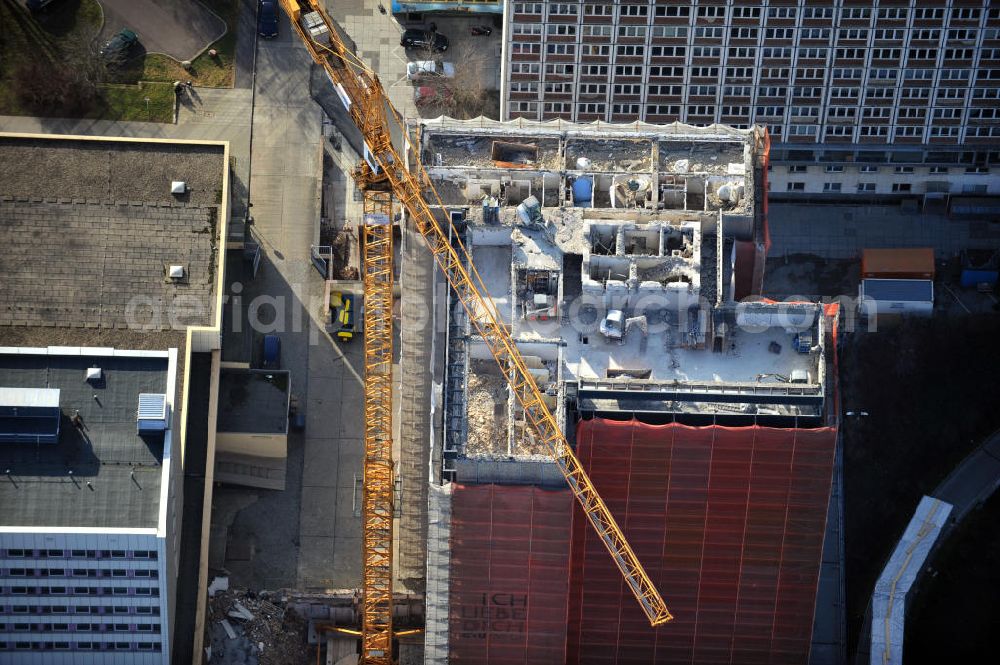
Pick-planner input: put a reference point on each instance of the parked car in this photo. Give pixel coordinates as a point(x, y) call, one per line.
point(429, 68)
point(118, 46)
point(414, 38)
point(424, 95)
point(267, 19)
point(271, 352)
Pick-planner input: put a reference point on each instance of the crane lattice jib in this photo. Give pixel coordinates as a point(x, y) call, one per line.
point(363, 95)
point(378, 486)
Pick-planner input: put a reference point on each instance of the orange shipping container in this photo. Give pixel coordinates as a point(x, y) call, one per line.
point(910, 263)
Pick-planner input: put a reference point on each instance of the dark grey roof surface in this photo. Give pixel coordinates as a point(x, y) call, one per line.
point(904, 290)
point(253, 401)
point(38, 489)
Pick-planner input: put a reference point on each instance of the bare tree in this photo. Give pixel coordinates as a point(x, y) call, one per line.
point(68, 85)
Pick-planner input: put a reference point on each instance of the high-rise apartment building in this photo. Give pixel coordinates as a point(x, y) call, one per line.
point(878, 98)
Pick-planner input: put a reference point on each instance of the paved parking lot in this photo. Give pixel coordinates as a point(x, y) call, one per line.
point(178, 28)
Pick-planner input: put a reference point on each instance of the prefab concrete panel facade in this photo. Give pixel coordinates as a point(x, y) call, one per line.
point(113, 556)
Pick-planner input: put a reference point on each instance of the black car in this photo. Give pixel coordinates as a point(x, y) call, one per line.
point(117, 48)
point(267, 19)
point(414, 38)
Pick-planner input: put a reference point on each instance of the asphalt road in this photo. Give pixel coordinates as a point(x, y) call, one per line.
point(178, 28)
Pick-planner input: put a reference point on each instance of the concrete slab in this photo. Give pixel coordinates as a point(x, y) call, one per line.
point(323, 469)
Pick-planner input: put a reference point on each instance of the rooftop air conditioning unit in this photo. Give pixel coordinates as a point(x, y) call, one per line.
point(152, 416)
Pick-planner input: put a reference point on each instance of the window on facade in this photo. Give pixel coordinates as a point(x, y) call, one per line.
point(634, 10)
point(772, 52)
point(595, 70)
point(526, 28)
point(597, 31)
point(795, 187)
point(670, 31)
point(631, 50)
point(628, 89)
point(779, 33)
point(943, 132)
point(797, 168)
point(901, 187)
point(527, 8)
point(850, 54)
point(737, 90)
point(560, 30)
point(673, 10)
point(663, 109)
point(705, 51)
point(939, 169)
point(663, 71)
point(782, 12)
point(744, 33)
point(846, 34)
point(633, 31)
point(947, 114)
point(563, 9)
point(559, 69)
point(817, 12)
point(802, 130)
point(965, 14)
point(661, 90)
point(714, 32)
point(746, 12)
point(668, 51)
point(625, 109)
point(591, 108)
point(815, 33)
point(915, 93)
point(830, 187)
point(558, 107)
point(928, 13)
point(892, 13)
point(560, 49)
point(598, 10)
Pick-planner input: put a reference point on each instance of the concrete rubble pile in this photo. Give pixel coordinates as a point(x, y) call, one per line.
point(245, 628)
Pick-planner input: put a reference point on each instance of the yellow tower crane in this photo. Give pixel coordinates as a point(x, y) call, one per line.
point(361, 92)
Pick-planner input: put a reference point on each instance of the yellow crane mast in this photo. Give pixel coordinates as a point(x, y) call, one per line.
point(361, 92)
point(378, 486)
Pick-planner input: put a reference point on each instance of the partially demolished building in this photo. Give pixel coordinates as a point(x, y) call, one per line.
point(626, 261)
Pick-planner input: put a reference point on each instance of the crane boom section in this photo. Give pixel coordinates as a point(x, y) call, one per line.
point(363, 95)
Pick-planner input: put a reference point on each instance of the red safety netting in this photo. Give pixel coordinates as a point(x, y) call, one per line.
point(509, 575)
point(729, 523)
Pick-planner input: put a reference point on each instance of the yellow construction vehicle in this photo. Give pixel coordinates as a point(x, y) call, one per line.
point(343, 306)
point(391, 167)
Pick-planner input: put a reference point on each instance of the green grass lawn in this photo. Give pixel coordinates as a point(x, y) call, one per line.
point(205, 70)
point(128, 102)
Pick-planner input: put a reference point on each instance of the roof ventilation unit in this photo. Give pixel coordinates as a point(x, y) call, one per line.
point(94, 375)
point(175, 272)
point(178, 187)
point(152, 416)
